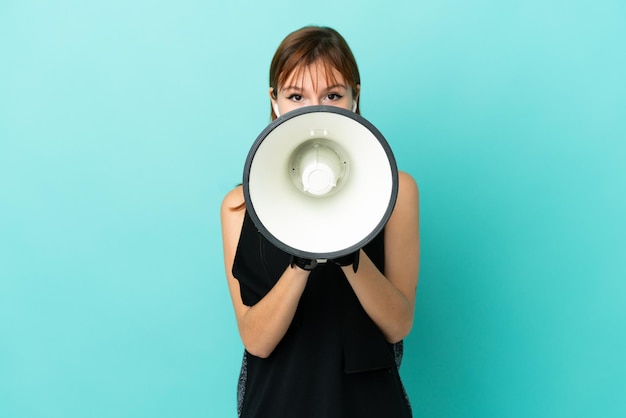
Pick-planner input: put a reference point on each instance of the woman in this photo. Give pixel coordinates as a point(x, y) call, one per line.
point(325, 342)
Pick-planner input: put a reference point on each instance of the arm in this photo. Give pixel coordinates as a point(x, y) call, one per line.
point(390, 299)
point(263, 325)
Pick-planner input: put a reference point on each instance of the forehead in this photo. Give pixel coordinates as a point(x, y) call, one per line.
point(318, 75)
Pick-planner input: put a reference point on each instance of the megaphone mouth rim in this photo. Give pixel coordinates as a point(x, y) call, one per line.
point(273, 125)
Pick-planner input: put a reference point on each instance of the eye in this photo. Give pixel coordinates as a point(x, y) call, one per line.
point(334, 97)
point(295, 98)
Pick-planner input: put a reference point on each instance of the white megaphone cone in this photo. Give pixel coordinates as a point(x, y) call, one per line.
point(320, 182)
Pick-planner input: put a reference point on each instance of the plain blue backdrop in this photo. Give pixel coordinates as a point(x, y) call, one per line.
point(124, 123)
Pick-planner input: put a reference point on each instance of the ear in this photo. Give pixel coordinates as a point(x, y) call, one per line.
point(272, 95)
point(355, 99)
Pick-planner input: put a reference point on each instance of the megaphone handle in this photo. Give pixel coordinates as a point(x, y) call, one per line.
point(348, 259)
point(303, 263)
point(309, 264)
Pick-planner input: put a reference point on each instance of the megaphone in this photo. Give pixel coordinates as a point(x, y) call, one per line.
point(320, 182)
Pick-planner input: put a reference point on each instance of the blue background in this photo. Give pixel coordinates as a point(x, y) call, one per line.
point(123, 124)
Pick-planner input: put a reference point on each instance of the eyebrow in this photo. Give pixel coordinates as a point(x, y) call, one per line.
point(297, 88)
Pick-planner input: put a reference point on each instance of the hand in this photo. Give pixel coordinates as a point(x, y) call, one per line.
point(349, 259)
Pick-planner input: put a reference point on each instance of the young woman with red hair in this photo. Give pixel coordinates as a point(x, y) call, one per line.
point(326, 342)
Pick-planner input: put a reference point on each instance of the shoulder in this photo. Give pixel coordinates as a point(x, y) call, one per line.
point(406, 208)
point(233, 199)
point(232, 215)
point(407, 187)
point(233, 210)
